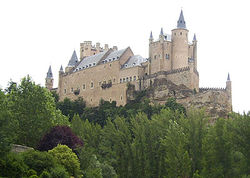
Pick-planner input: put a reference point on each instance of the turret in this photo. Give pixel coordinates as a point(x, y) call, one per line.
point(161, 36)
point(151, 38)
point(229, 89)
point(72, 62)
point(180, 44)
point(49, 79)
point(195, 51)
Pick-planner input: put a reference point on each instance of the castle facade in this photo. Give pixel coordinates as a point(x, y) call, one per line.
point(169, 71)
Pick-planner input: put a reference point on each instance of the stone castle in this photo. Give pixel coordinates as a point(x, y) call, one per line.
point(169, 71)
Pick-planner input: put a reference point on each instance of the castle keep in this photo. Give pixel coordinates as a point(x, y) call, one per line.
point(169, 71)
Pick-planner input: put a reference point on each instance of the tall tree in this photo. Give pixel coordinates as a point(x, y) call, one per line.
point(34, 108)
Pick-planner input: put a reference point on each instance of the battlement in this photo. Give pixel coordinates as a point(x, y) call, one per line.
point(203, 89)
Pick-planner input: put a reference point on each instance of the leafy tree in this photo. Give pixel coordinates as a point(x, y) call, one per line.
point(70, 108)
point(13, 166)
point(66, 157)
point(7, 125)
point(173, 105)
point(59, 172)
point(59, 135)
point(38, 161)
point(34, 108)
point(177, 158)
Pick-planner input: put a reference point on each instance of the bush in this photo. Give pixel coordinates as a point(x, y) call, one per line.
point(45, 174)
point(59, 172)
point(38, 161)
point(66, 157)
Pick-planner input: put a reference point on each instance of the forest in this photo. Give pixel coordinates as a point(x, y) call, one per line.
point(138, 140)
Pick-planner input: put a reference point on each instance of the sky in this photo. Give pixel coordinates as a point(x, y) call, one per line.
point(35, 34)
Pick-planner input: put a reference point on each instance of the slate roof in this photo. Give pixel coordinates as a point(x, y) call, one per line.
point(115, 55)
point(90, 61)
point(49, 73)
point(134, 61)
point(73, 61)
point(181, 22)
point(194, 39)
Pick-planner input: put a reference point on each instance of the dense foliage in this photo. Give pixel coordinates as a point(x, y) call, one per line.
point(59, 135)
point(136, 140)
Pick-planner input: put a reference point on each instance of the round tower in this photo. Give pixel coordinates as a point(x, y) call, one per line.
point(180, 44)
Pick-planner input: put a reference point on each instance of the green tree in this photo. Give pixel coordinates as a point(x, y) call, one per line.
point(34, 108)
point(66, 157)
point(7, 125)
point(177, 158)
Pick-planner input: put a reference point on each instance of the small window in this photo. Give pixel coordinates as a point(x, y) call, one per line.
point(117, 57)
point(175, 34)
point(72, 89)
point(91, 84)
point(114, 80)
point(87, 66)
point(155, 56)
point(110, 81)
point(127, 79)
point(121, 97)
point(113, 58)
point(110, 60)
point(94, 64)
point(83, 86)
point(167, 56)
point(94, 53)
point(180, 33)
point(65, 90)
point(110, 100)
point(130, 78)
point(134, 78)
point(120, 80)
point(124, 79)
point(83, 67)
point(90, 65)
point(91, 99)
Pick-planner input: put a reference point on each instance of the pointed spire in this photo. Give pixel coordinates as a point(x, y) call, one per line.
point(194, 39)
point(73, 61)
point(61, 69)
point(181, 22)
point(161, 33)
point(49, 73)
point(151, 36)
point(228, 77)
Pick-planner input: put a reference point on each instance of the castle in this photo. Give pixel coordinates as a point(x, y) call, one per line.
point(169, 71)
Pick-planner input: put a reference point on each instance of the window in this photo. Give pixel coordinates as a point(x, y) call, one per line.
point(94, 53)
point(110, 100)
point(83, 86)
point(114, 80)
point(72, 89)
point(110, 60)
point(117, 57)
point(121, 97)
point(124, 79)
point(167, 56)
point(90, 65)
point(180, 33)
point(127, 79)
point(120, 80)
point(91, 84)
point(134, 78)
point(130, 78)
point(110, 81)
point(155, 56)
point(94, 64)
point(65, 90)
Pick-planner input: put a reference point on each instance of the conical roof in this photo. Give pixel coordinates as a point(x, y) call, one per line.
point(73, 61)
point(49, 73)
point(181, 22)
point(61, 68)
point(228, 77)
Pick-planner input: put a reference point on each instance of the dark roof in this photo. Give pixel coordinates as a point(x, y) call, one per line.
point(73, 61)
point(181, 22)
point(194, 39)
point(228, 77)
point(151, 35)
point(49, 73)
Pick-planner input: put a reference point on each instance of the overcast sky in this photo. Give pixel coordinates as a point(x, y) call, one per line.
point(37, 33)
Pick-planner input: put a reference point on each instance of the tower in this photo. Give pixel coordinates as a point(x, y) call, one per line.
point(72, 62)
point(229, 90)
point(180, 44)
point(195, 51)
point(49, 79)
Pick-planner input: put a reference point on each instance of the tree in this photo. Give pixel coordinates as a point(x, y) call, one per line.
point(66, 157)
point(34, 108)
point(173, 105)
point(177, 158)
point(7, 125)
point(38, 161)
point(59, 135)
